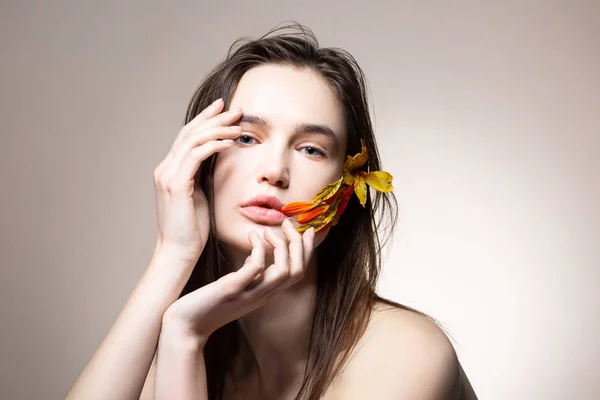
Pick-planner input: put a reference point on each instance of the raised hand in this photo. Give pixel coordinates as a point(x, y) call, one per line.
point(182, 209)
point(201, 312)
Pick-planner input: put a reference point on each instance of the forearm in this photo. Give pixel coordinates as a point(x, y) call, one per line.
point(118, 369)
point(180, 371)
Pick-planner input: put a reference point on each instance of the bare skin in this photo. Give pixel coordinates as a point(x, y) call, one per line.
point(273, 156)
point(119, 366)
point(271, 160)
point(354, 381)
point(279, 162)
point(271, 285)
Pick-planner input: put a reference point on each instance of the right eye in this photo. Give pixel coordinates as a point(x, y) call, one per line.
point(242, 139)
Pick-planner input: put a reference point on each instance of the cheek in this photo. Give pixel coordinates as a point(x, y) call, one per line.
point(225, 188)
point(224, 174)
point(314, 181)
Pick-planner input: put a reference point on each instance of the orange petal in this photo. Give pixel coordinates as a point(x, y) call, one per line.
point(311, 214)
point(297, 207)
point(322, 220)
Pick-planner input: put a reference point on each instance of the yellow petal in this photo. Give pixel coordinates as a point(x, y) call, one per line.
point(360, 189)
point(358, 160)
point(302, 228)
point(348, 177)
point(327, 191)
point(317, 224)
point(328, 216)
point(380, 180)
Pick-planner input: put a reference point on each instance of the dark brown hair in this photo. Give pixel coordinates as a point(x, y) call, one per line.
point(351, 251)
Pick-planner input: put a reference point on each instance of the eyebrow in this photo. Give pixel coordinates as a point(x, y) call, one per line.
point(299, 128)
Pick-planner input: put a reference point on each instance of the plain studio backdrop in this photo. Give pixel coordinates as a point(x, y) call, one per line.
point(487, 115)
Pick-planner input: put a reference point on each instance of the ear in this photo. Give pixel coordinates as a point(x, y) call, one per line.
point(336, 220)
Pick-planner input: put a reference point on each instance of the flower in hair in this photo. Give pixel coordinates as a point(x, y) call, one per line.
point(331, 201)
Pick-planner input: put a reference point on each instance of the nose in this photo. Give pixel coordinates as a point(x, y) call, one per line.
point(273, 167)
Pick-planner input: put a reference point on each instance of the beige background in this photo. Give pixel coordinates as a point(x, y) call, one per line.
point(487, 116)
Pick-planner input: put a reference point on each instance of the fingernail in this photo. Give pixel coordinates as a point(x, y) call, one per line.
point(287, 223)
point(217, 101)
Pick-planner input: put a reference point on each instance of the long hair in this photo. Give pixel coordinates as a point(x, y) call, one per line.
point(351, 251)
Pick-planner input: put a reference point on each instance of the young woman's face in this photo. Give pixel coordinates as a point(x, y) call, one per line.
point(283, 151)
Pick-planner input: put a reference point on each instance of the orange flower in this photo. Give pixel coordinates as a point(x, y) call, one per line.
point(331, 201)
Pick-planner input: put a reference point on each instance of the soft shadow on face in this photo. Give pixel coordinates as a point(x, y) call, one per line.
point(271, 156)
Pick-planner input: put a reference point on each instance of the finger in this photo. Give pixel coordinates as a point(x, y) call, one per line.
point(209, 112)
point(199, 139)
point(192, 162)
point(281, 255)
point(260, 277)
point(296, 249)
point(274, 273)
point(268, 247)
point(225, 118)
point(204, 115)
point(308, 239)
point(255, 263)
point(203, 133)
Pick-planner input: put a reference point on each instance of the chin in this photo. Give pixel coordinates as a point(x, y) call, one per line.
point(235, 240)
point(236, 235)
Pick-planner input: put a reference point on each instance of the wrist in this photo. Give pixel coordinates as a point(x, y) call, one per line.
point(168, 253)
point(177, 335)
point(171, 266)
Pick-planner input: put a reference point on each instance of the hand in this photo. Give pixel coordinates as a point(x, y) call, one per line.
point(182, 209)
point(201, 312)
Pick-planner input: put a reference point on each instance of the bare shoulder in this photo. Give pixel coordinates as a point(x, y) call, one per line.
point(402, 355)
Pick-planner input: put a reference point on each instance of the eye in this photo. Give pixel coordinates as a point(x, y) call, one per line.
point(315, 152)
point(239, 139)
point(312, 152)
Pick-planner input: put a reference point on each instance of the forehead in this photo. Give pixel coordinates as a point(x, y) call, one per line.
point(287, 95)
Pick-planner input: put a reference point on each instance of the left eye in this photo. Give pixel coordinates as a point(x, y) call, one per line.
point(315, 151)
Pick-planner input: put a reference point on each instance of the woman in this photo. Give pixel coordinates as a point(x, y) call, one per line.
point(242, 302)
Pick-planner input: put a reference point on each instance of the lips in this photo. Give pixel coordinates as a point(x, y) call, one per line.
point(264, 209)
point(265, 201)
